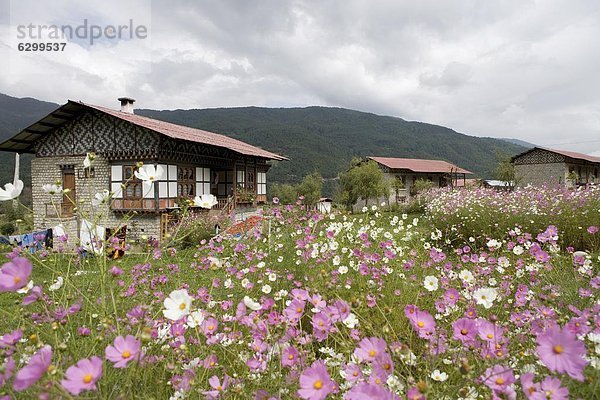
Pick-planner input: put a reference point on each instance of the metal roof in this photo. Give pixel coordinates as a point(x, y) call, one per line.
point(570, 154)
point(23, 141)
point(420, 165)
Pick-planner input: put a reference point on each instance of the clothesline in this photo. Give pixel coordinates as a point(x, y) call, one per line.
point(33, 240)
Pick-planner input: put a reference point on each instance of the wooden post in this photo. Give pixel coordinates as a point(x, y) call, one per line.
point(255, 185)
point(234, 181)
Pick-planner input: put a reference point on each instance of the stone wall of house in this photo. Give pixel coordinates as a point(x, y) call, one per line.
point(539, 174)
point(48, 170)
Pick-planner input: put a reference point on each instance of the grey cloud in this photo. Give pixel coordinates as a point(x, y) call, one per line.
point(514, 68)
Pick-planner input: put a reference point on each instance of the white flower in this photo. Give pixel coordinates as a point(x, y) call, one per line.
point(100, 198)
point(351, 321)
point(215, 262)
point(148, 173)
point(517, 250)
point(343, 269)
point(336, 260)
point(266, 289)
point(251, 304)
point(205, 201)
point(493, 244)
point(431, 283)
point(56, 285)
point(485, 296)
point(11, 190)
point(89, 157)
point(466, 276)
point(177, 305)
point(26, 289)
point(195, 319)
point(438, 376)
point(245, 282)
point(52, 188)
point(272, 277)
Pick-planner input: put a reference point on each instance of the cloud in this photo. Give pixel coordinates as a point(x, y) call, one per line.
point(520, 69)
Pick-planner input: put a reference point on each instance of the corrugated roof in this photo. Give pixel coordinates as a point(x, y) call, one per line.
point(420, 165)
point(23, 140)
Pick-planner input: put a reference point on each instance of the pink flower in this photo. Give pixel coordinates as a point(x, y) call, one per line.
point(36, 293)
point(83, 375)
point(209, 326)
point(421, 320)
point(289, 358)
point(528, 385)
point(551, 389)
point(293, 312)
point(592, 229)
point(499, 379)
point(33, 371)
point(6, 370)
point(465, 330)
point(352, 372)
point(561, 351)
point(10, 339)
point(217, 386)
point(369, 349)
point(15, 274)
point(368, 391)
point(125, 349)
point(315, 382)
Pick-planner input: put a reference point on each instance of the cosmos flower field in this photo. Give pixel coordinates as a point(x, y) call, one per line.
point(369, 306)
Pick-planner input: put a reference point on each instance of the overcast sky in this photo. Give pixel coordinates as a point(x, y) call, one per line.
point(523, 69)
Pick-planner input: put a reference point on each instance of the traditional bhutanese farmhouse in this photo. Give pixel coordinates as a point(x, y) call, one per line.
point(540, 166)
point(192, 162)
point(409, 170)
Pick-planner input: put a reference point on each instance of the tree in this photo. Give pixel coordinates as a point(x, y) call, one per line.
point(397, 184)
point(284, 192)
point(363, 180)
point(422, 185)
point(505, 169)
point(310, 187)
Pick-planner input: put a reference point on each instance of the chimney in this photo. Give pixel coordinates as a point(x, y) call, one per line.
point(126, 104)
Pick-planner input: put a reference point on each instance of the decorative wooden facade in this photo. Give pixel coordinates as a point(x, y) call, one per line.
point(193, 162)
point(540, 166)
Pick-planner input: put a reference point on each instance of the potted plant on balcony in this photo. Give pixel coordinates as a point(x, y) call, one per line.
point(244, 195)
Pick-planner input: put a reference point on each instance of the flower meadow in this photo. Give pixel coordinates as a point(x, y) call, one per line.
point(482, 213)
point(309, 306)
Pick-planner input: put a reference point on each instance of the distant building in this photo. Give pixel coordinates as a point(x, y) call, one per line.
point(193, 162)
point(497, 184)
point(540, 166)
point(407, 171)
point(324, 205)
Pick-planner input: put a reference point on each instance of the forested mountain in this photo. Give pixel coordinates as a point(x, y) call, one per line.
point(325, 139)
point(320, 139)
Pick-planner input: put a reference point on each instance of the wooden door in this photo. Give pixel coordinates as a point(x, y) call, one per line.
point(69, 199)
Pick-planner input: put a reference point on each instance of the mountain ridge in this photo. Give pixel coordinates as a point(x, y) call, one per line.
point(314, 138)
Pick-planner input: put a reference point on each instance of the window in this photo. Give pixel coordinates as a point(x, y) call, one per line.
point(261, 183)
point(186, 181)
point(241, 179)
point(69, 199)
point(225, 183)
point(202, 181)
point(133, 186)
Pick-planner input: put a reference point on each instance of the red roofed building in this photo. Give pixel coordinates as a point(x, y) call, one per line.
point(541, 165)
point(410, 170)
point(192, 162)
